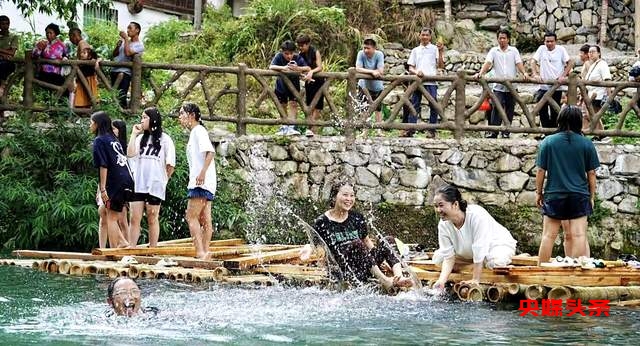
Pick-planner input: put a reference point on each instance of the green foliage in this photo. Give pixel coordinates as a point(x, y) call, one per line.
point(631, 123)
point(103, 36)
point(65, 9)
point(164, 35)
point(599, 213)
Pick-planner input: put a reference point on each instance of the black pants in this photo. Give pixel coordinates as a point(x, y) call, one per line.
point(355, 259)
point(123, 87)
point(6, 69)
point(506, 99)
point(548, 115)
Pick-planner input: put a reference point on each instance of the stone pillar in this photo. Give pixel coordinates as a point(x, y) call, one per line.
point(636, 22)
point(514, 12)
point(447, 10)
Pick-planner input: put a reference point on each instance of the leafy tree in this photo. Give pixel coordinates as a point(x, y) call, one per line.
point(65, 9)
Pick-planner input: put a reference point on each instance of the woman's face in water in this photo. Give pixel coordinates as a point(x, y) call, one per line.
point(345, 198)
point(443, 208)
point(126, 298)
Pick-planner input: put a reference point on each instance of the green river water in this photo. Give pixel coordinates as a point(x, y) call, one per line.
point(39, 308)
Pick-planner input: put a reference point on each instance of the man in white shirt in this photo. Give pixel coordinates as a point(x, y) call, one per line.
point(550, 63)
point(505, 61)
point(425, 60)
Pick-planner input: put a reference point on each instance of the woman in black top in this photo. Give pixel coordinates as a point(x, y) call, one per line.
point(345, 234)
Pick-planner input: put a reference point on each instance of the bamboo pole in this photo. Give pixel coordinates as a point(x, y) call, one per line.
point(612, 293)
point(559, 292)
point(52, 266)
point(463, 291)
point(496, 293)
point(516, 290)
point(249, 261)
point(476, 294)
point(535, 292)
point(76, 270)
point(42, 266)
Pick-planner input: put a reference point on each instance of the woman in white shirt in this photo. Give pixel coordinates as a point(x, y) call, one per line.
point(202, 180)
point(598, 71)
point(154, 155)
point(468, 233)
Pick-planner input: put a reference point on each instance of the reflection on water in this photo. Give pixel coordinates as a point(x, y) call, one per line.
point(39, 307)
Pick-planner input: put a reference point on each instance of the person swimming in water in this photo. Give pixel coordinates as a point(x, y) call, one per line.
point(124, 297)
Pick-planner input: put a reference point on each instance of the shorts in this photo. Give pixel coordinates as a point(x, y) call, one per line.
point(374, 95)
point(118, 201)
point(199, 192)
point(285, 96)
point(571, 207)
point(311, 89)
point(145, 197)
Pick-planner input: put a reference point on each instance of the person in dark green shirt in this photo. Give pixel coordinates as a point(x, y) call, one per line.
point(568, 161)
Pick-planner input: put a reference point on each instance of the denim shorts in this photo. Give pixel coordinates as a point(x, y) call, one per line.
point(571, 207)
point(199, 192)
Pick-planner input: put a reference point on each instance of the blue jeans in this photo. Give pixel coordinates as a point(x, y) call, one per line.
point(416, 102)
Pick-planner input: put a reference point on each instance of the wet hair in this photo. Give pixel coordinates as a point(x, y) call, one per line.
point(103, 123)
point(426, 30)
point(113, 283)
point(570, 119)
point(192, 108)
point(585, 48)
point(4, 18)
point(288, 46)
point(53, 27)
point(451, 194)
point(155, 129)
point(303, 39)
point(136, 25)
point(335, 188)
point(504, 31)
point(369, 42)
point(122, 133)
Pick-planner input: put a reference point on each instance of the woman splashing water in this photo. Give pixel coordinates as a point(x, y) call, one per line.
point(345, 233)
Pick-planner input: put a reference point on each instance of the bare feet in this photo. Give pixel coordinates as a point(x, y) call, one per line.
point(204, 257)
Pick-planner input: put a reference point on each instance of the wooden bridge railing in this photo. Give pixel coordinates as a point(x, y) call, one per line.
point(239, 95)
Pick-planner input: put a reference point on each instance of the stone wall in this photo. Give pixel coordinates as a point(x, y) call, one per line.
point(407, 172)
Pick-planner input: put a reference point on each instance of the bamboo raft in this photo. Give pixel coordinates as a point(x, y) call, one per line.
point(236, 263)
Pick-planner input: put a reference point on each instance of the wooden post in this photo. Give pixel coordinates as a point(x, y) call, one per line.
point(514, 12)
point(197, 14)
point(447, 10)
point(636, 22)
point(572, 93)
point(29, 75)
point(136, 84)
point(461, 107)
point(603, 21)
point(241, 100)
point(350, 104)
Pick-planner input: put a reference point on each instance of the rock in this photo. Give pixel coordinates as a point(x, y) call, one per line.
point(399, 159)
point(419, 178)
point(525, 149)
point(609, 206)
point(466, 24)
point(451, 156)
point(565, 34)
point(602, 172)
point(617, 199)
point(473, 179)
point(551, 5)
point(375, 169)
point(285, 167)
point(297, 154)
point(445, 29)
point(304, 167)
point(413, 151)
point(386, 175)
point(565, 3)
point(419, 162)
point(478, 162)
point(583, 31)
point(607, 156)
point(540, 8)
point(348, 170)
point(320, 157)
point(506, 163)
point(474, 7)
point(475, 15)
point(586, 17)
point(492, 24)
point(316, 174)
point(528, 165)
point(299, 184)
point(526, 198)
point(477, 117)
point(514, 181)
point(353, 158)
point(551, 23)
point(263, 177)
point(368, 195)
point(608, 189)
point(627, 164)
point(629, 205)
point(492, 199)
point(380, 154)
point(404, 197)
point(397, 70)
point(260, 162)
point(277, 153)
point(393, 45)
point(365, 177)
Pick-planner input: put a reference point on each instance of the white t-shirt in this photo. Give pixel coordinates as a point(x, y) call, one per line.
point(425, 59)
point(598, 71)
point(552, 64)
point(151, 165)
point(504, 63)
point(197, 147)
point(479, 233)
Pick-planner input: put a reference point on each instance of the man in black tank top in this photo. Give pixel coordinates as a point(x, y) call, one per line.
point(312, 84)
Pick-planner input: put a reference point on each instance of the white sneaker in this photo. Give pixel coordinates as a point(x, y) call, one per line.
point(291, 131)
point(282, 131)
point(309, 133)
